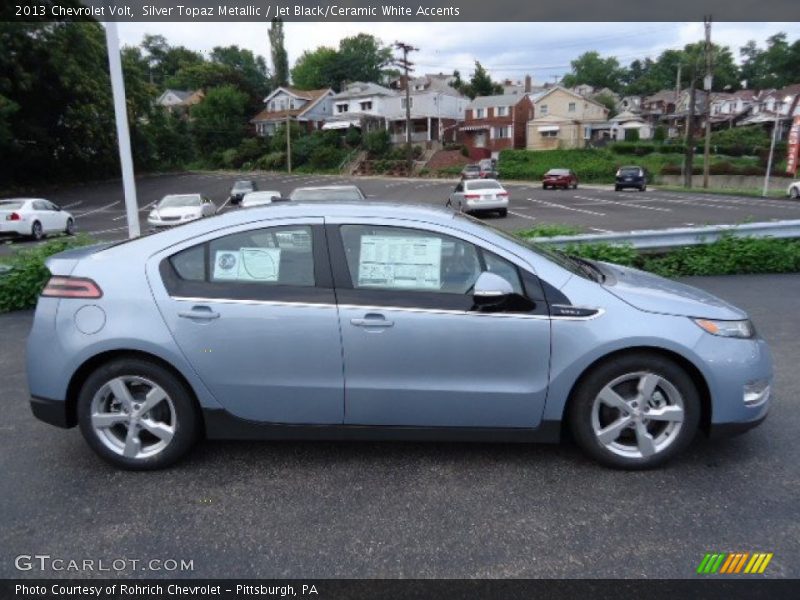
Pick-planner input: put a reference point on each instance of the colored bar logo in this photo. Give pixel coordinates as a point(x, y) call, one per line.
point(734, 563)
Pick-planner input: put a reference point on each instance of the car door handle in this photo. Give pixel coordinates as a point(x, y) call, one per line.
point(199, 312)
point(372, 320)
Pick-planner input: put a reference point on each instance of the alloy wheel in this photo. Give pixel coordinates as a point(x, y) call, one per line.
point(638, 415)
point(133, 417)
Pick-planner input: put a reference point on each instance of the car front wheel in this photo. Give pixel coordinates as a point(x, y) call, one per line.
point(70, 228)
point(137, 415)
point(795, 193)
point(635, 411)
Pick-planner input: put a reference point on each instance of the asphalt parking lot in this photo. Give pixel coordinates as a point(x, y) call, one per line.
point(295, 509)
point(99, 207)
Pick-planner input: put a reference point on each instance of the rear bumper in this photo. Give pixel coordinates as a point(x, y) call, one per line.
point(53, 412)
point(629, 184)
point(485, 204)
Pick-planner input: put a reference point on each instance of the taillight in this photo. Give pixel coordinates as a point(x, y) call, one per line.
point(13, 217)
point(472, 196)
point(501, 194)
point(71, 287)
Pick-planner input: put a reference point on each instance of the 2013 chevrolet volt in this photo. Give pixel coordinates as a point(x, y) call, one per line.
point(393, 322)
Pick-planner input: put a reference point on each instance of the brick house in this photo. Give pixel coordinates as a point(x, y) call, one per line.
point(495, 123)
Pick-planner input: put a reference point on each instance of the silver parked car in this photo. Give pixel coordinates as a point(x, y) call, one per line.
point(346, 193)
point(394, 322)
point(174, 209)
point(479, 195)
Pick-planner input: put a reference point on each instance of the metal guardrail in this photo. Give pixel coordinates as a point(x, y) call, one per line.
point(654, 239)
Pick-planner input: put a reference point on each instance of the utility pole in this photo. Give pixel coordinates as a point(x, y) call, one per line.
point(677, 99)
point(707, 83)
point(765, 191)
point(406, 66)
point(288, 144)
point(688, 159)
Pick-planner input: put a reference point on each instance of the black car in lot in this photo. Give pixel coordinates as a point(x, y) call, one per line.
point(631, 177)
point(240, 188)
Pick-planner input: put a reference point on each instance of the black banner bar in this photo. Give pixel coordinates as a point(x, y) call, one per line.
point(405, 589)
point(400, 10)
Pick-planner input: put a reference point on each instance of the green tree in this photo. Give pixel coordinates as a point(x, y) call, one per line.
point(316, 69)
point(363, 58)
point(481, 84)
point(280, 58)
point(609, 102)
point(591, 69)
point(165, 60)
point(776, 66)
point(220, 120)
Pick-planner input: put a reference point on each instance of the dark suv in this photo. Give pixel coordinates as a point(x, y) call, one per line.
point(631, 177)
point(240, 188)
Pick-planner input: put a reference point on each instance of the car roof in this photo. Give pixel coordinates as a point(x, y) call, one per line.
point(328, 187)
point(480, 181)
point(181, 194)
point(20, 199)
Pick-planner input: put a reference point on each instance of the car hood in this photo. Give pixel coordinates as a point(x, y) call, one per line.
point(177, 211)
point(655, 294)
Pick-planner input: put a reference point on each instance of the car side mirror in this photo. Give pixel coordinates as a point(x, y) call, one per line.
point(491, 289)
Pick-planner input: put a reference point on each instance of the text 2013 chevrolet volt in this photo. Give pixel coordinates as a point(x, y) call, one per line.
point(393, 322)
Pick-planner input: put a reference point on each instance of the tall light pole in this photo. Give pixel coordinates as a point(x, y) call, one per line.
point(765, 191)
point(123, 133)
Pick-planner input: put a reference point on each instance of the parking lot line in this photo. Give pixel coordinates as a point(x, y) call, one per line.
point(516, 214)
point(70, 205)
point(571, 208)
point(97, 210)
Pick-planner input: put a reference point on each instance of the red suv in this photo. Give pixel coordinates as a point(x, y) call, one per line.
point(560, 178)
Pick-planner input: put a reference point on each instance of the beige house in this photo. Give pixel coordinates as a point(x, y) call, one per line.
point(565, 119)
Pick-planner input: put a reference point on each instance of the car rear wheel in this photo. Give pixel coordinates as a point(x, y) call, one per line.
point(544, 187)
point(617, 188)
point(137, 415)
point(503, 212)
point(635, 412)
point(795, 193)
point(37, 232)
point(70, 228)
point(643, 188)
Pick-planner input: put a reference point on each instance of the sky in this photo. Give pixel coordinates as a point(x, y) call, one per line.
point(507, 50)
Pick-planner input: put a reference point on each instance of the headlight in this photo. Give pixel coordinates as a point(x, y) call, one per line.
point(735, 329)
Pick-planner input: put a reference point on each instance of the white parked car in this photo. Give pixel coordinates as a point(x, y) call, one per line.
point(252, 199)
point(794, 190)
point(34, 217)
point(343, 193)
point(175, 209)
point(477, 195)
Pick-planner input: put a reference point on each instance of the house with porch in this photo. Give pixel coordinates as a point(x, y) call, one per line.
point(775, 106)
point(565, 119)
point(309, 108)
point(361, 105)
point(436, 109)
point(495, 123)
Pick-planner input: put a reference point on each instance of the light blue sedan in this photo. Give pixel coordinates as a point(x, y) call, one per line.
point(380, 321)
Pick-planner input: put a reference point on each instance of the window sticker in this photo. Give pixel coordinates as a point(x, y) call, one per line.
point(247, 264)
point(400, 262)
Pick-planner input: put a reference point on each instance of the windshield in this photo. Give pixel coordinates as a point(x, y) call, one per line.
point(483, 185)
point(472, 168)
point(327, 194)
point(11, 204)
point(260, 196)
point(558, 172)
point(173, 201)
point(243, 185)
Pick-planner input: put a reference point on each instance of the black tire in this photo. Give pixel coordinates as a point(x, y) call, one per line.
point(575, 186)
point(794, 194)
point(643, 188)
point(617, 188)
point(503, 212)
point(581, 408)
point(544, 187)
point(37, 233)
point(187, 422)
point(70, 229)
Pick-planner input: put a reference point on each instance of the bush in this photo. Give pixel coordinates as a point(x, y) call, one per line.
point(326, 157)
point(660, 134)
point(751, 136)
point(631, 135)
point(20, 287)
point(377, 143)
point(353, 137)
point(464, 151)
point(549, 230)
point(271, 161)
